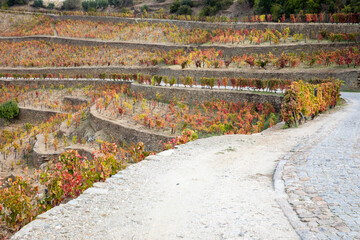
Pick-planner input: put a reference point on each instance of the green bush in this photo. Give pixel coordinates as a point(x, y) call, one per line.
point(70, 4)
point(276, 11)
point(102, 3)
point(116, 3)
point(85, 5)
point(91, 5)
point(144, 7)
point(16, 2)
point(51, 6)
point(184, 10)
point(305, 6)
point(182, 7)
point(313, 6)
point(187, 2)
point(9, 110)
point(212, 7)
point(251, 2)
point(5, 6)
point(38, 3)
point(174, 7)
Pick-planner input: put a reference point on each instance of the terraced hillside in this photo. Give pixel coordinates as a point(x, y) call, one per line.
point(96, 94)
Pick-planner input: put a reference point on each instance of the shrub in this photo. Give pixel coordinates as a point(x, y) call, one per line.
point(85, 5)
point(276, 11)
point(9, 110)
point(73, 174)
point(182, 7)
point(18, 202)
point(208, 11)
point(187, 2)
point(187, 135)
point(51, 6)
point(91, 4)
point(184, 10)
point(5, 6)
point(212, 7)
point(116, 3)
point(144, 8)
point(308, 100)
point(251, 2)
point(102, 3)
point(70, 4)
point(174, 6)
point(16, 2)
point(38, 3)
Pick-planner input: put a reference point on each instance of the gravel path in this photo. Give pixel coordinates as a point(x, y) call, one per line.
point(322, 178)
point(214, 188)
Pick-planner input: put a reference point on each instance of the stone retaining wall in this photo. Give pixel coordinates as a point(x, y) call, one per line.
point(128, 134)
point(94, 71)
point(75, 100)
point(57, 82)
point(305, 28)
point(83, 151)
point(349, 76)
point(190, 95)
point(29, 115)
point(40, 156)
point(229, 51)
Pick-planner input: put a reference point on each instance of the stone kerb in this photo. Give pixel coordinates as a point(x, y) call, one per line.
point(128, 134)
point(190, 95)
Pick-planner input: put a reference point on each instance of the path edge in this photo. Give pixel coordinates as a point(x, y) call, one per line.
point(281, 198)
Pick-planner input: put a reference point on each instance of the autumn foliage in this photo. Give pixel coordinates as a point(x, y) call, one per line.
point(306, 100)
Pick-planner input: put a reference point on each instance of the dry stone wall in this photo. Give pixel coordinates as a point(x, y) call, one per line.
point(57, 82)
point(126, 133)
point(348, 76)
point(306, 28)
point(190, 95)
point(29, 115)
point(229, 51)
point(75, 100)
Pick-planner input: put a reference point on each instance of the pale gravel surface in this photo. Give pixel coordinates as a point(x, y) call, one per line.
point(214, 188)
